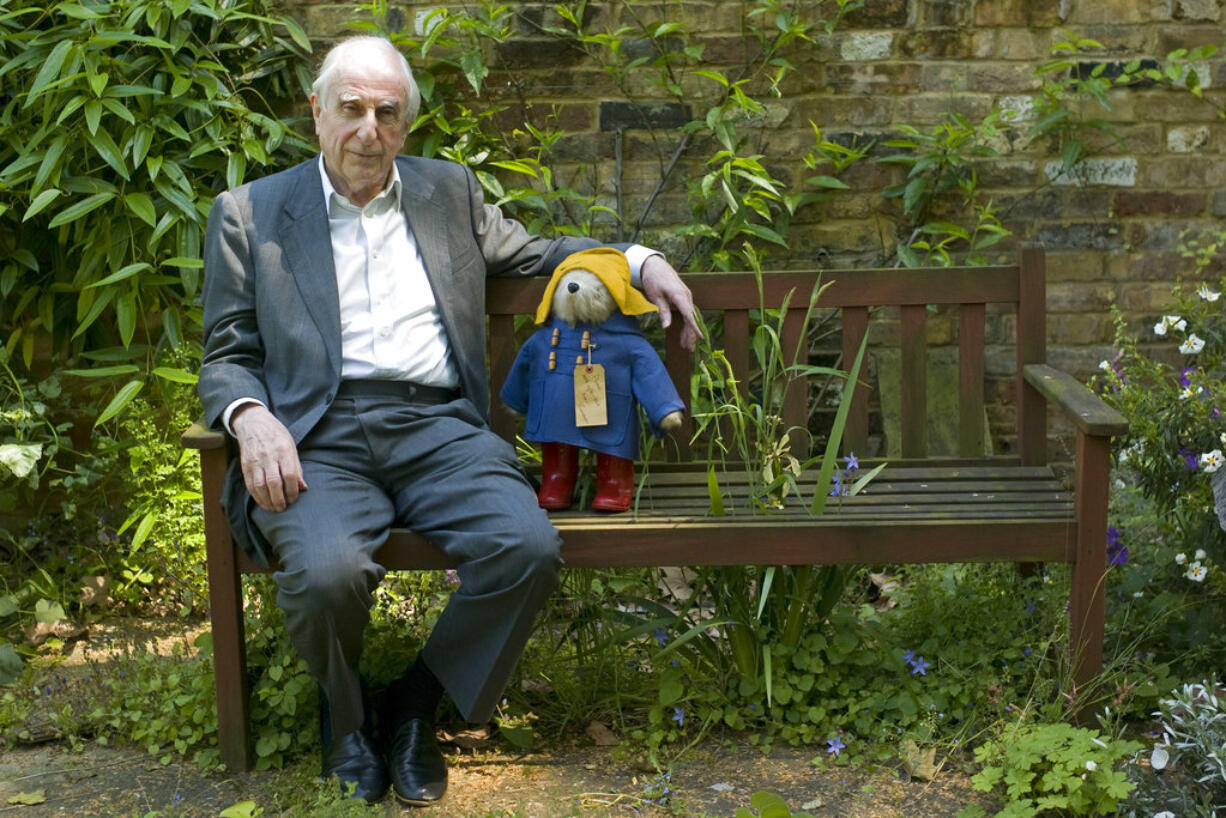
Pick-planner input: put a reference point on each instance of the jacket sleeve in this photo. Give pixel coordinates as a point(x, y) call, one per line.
point(652, 386)
point(233, 353)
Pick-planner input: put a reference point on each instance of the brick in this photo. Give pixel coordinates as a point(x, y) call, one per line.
point(1034, 13)
point(862, 46)
point(1025, 208)
point(944, 77)
point(1081, 329)
point(1150, 298)
point(1082, 235)
point(1000, 78)
point(1155, 235)
point(1075, 266)
point(1178, 107)
point(616, 115)
point(1198, 10)
point(872, 78)
point(1147, 266)
point(332, 22)
point(1187, 139)
point(1115, 172)
point(930, 44)
point(1007, 173)
point(925, 110)
point(1091, 204)
point(878, 14)
point(1010, 44)
point(1118, 11)
point(1176, 172)
point(1187, 36)
point(845, 111)
point(854, 235)
point(1153, 203)
point(944, 13)
point(1079, 297)
point(522, 53)
point(1219, 204)
point(1018, 108)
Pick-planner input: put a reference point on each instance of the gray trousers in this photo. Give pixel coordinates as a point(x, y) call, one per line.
point(373, 463)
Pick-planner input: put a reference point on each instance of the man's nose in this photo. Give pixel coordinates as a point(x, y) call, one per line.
point(573, 286)
point(368, 130)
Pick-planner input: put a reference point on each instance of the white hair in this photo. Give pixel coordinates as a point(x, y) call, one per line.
point(335, 60)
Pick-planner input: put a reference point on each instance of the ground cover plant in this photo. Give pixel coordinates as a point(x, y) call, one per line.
point(110, 157)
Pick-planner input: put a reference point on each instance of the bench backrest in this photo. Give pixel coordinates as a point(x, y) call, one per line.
point(1017, 288)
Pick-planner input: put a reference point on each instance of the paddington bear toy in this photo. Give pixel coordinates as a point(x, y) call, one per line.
point(578, 377)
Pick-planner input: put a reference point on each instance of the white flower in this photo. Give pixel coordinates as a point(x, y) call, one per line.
point(1209, 463)
point(1158, 759)
point(1197, 572)
point(1104, 365)
point(1223, 438)
point(1200, 554)
point(1192, 345)
point(1091, 765)
point(1207, 294)
point(1137, 594)
point(1166, 813)
point(1169, 322)
point(1181, 558)
point(1160, 328)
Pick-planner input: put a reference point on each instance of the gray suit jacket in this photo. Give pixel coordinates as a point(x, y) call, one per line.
point(271, 310)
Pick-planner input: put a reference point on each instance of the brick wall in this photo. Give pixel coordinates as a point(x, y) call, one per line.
point(1111, 229)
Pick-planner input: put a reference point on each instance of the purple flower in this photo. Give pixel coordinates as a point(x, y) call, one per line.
point(835, 746)
point(1191, 461)
point(1184, 380)
point(679, 716)
point(1117, 552)
point(661, 636)
point(852, 462)
point(908, 655)
point(836, 485)
point(920, 666)
point(452, 577)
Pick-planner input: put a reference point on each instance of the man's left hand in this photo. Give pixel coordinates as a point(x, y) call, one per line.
point(664, 288)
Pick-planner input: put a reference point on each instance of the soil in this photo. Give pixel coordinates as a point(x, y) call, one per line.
point(488, 780)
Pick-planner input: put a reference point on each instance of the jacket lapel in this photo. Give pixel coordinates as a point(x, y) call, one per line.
point(307, 244)
point(428, 223)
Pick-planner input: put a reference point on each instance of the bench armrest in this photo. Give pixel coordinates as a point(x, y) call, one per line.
point(199, 436)
point(1088, 412)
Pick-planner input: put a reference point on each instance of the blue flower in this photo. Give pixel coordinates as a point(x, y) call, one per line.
point(836, 485)
point(661, 636)
point(835, 746)
point(920, 666)
point(908, 655)
point(679, 716)
point(1117, 552)
point(852, 462)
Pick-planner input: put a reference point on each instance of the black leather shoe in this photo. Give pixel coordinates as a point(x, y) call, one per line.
point(415, 763)
point(353, 760)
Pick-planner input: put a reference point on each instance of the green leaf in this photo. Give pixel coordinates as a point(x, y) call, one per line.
point(93, 115)
point(10, 665)
point(49, 71)
point(48, 611)
point(142, 530)
point(8, 605)
point(103, 371)
point(122, 398)
point(713, 492)
point(124, 272)
point(51, 160)
point(76, 211)
point(28, 799)
point(518, 735)
point(141, 206)
point(827, 182)
point(296, 33)
point(176, 375)
point(40, 203)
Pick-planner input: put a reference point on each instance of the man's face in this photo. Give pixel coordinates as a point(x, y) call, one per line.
point(361, 126)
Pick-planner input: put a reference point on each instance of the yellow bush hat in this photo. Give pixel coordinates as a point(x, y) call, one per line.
point(611, 267)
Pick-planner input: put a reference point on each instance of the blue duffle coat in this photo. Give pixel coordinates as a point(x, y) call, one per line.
point(633, 372)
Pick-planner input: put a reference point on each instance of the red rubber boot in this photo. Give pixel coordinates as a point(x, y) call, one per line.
point(559, 470)
point(614, 483)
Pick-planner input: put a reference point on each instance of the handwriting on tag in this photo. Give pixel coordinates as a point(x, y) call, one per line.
point(591, 409)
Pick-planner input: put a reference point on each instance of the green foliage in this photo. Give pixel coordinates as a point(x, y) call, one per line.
point(1186, 772)
point(29, 438)
point(768, 805)
point(120, 123)
point(1053, 767)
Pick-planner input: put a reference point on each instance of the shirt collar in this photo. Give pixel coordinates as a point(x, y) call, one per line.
point(391, 193)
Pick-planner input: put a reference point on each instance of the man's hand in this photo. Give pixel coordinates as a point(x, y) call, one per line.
point(269, 458)
point(664, 288)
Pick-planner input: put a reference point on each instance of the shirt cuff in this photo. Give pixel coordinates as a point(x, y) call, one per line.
point(230, 410)
point(636, 255)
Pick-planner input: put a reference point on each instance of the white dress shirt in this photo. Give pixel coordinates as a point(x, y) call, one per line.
point(391, 328)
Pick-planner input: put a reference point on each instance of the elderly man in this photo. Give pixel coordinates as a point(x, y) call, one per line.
point(344, 350)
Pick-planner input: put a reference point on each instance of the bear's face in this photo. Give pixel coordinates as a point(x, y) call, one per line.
point(582, 298)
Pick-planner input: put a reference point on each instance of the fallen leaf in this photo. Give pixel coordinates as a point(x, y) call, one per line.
point(94, 592)
point(466, 737)
point(600, 733)
point(40, 632)
point(28, 799)
point(723, 786)
point(920, 763)
point(537, 685)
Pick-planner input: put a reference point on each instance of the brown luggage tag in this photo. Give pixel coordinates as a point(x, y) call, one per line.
point(591, 409)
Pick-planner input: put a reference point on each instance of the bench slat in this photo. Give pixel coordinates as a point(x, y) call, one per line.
point(913, 388)
point(970, 379)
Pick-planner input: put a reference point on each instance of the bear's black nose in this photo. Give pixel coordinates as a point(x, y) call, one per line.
point(573, 286)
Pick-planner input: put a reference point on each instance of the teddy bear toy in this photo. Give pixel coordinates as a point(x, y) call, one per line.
point(578, 377)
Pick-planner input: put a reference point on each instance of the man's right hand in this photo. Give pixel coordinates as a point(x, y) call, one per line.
point(269, 458)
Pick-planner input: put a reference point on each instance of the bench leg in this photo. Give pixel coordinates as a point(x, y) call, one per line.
point(1087, 607)
point(226, 617)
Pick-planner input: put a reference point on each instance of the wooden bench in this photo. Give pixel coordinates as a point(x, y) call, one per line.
point(967, 507)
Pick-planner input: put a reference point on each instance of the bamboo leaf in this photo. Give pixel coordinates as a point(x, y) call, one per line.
point(176, 374)
point(713, 492)
point(142, 207)
point(103, 371)
point(49, 71)
point(124, 272)
point(40, 203)
point(821, 494)
point(122, 398)
point(76, 211)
